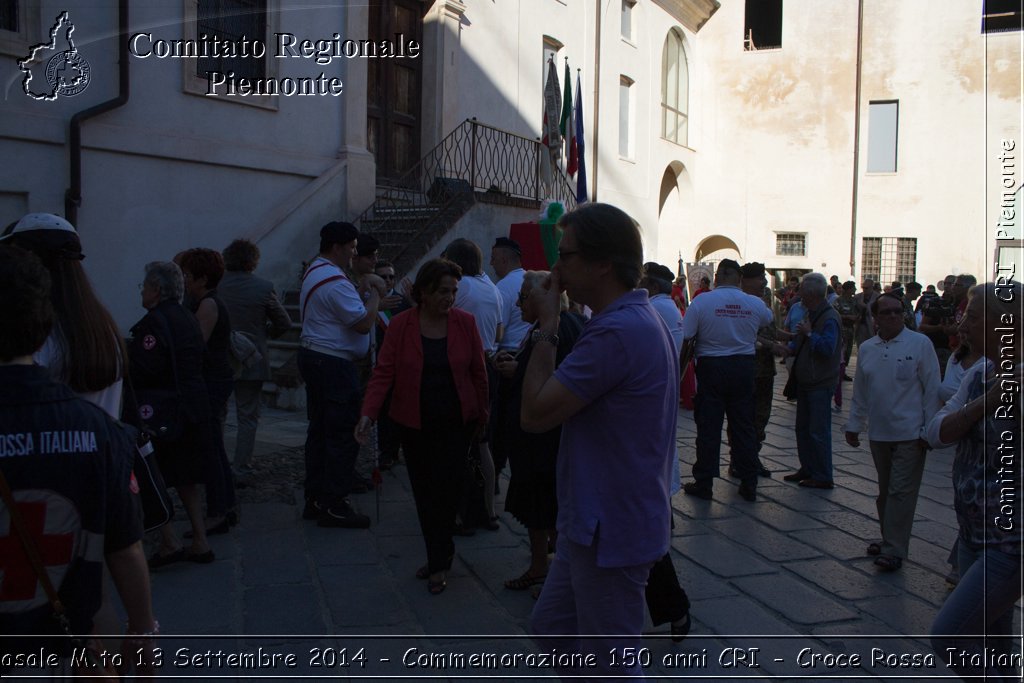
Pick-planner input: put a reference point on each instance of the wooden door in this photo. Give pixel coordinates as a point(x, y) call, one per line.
point(393, 90)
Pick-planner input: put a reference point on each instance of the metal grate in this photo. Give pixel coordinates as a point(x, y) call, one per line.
point(791, 244)
point(232, 20)
point(889, 259)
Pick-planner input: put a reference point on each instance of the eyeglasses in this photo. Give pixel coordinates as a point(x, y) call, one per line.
point(563, 254)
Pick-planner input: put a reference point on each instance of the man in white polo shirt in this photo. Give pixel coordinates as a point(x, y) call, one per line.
point(725, 322)
point(507, 261)
point(896, 391)
point(335, 333)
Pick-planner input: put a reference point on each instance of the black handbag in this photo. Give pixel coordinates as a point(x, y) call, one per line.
point(157, 506)
point(161, 410)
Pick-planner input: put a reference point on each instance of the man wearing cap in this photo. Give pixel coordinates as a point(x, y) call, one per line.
point(849, 315)
point(336, 321)
point(725, 322)
point(506, 259)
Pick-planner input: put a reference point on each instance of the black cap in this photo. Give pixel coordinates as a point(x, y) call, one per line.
point(728, 264)
point(652, 269)
point(752, 270)
point(367, 245)
point(338, 232)
point(508, 243)
point(849, 284)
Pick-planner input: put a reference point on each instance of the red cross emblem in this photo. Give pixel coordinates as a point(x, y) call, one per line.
point(149, 342)
point(146, 412)
point(55, 545)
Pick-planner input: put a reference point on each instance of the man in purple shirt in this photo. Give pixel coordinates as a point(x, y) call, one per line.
point(616, 395)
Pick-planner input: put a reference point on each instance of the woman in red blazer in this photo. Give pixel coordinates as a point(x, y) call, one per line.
point(433, 362)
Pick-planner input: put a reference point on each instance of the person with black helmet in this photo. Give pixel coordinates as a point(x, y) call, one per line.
point(84, 349)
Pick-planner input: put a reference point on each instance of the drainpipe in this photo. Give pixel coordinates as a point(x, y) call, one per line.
point(597, 98)
point(856, 139)
point(73, 195)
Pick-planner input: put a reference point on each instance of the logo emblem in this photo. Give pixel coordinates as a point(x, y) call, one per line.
point(149, 342)
point(66, 72)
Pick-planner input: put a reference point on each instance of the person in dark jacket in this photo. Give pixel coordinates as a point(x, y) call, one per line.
point(68, 466)
point(165, 355)
point(256, 312)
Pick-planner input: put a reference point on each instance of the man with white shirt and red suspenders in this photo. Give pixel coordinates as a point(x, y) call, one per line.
point(336, 321)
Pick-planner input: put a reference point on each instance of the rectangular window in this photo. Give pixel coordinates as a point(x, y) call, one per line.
point(232, 20)
point(626, 24)
point(889, 259)
point(1001, 15)
point(871, 258)
point(791, 244)
point(762, 25)
point(625, 108)
point(883, 136)
point(9, 20)
point(906, 259)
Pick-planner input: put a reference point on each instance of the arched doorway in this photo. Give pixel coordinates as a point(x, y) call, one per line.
point(715, 248)
point(675, 214)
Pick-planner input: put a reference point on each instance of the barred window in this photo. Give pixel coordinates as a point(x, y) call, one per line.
point(232, 20)
point(889, 259)
point(871, 258)
point(791, 244)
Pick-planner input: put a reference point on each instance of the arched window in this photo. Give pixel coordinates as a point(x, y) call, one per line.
point(675, 89)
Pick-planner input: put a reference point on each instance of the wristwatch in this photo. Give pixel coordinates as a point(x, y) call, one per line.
point(538, 336)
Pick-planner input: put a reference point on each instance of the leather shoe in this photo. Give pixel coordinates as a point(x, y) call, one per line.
point(764, 472)
point(817, 484)
point(799, 475)
point(694, 489)
point(749, 493)
point(681, 628)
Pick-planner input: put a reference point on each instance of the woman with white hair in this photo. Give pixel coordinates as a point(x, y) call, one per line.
point(166, 361)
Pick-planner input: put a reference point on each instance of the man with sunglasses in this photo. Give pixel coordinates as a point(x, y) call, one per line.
point(896, 390)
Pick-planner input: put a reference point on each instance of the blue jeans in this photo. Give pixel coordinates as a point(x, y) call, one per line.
point(725, 388)
point(332, 406)
point(981, 603)
point(814, 432)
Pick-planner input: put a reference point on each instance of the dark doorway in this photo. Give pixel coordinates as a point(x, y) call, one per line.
point(393, 90)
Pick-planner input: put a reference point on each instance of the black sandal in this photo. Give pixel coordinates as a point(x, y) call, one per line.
point(888, 563)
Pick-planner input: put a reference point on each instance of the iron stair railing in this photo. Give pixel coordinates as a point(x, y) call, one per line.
point(475, 162)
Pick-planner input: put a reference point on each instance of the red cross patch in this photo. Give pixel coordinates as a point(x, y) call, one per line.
point(149, 342)
point(54, 523)
point(146, 411)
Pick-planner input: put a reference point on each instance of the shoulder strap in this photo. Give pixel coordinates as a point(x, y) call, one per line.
point(305, 302)
point(312, 268)
point(32, 552)
point(814, 320)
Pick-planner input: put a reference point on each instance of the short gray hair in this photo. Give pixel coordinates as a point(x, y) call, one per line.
point(814, 284)
point(1002, 301)
point(167, 278)
point(534, 279)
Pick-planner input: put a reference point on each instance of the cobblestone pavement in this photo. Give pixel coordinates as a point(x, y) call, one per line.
point(779, 587)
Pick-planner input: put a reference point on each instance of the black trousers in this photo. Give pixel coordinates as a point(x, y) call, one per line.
point(436, 461)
